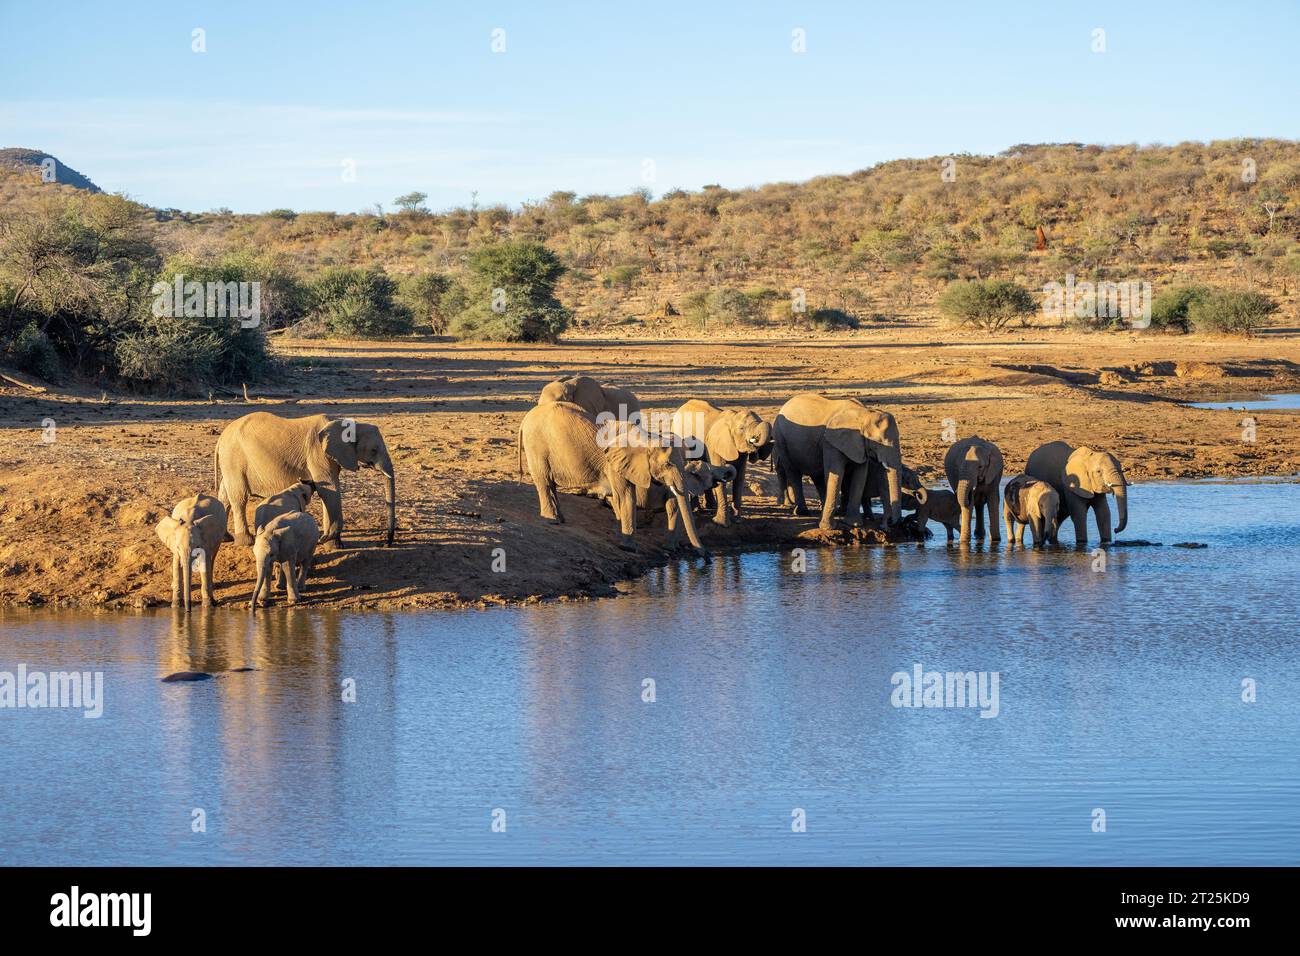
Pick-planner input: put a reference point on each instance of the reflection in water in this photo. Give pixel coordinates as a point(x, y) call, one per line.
point(1120, 689)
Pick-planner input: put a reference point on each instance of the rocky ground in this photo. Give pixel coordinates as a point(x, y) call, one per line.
point(77, 511)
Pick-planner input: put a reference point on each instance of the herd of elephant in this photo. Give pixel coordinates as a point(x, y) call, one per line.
point(588, 438)
point(591, 439)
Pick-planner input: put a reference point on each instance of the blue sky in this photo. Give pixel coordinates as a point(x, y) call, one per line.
point(608, 97)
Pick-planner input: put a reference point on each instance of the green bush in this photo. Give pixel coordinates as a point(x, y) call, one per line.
point(621, 277)
point(32, 351)
point(1229, 311)
point(169, 354)
point(511, 295)
point(986, 303)
point(1169, 308)
point(359, 303)
point(427, 297)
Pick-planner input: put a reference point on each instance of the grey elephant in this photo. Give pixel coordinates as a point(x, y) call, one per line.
point(701, 479)
point(260, 454)
point(294, 498)
point(1083, 478)
point(593, 397)
point(193, 534)
point(831, 441)
point(289, 541)
point(568, 452)
point(877, 486)
point(938, 504)
point(974, 470)
point(724, 436)
point(1028, 502)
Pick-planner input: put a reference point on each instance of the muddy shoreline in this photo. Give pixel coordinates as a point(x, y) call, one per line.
point(77, 512)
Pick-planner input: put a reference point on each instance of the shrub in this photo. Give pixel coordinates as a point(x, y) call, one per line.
point(169, 354)
point(32, 351)
point(986, 303)
point(1229, 311)
point(830, 320)
point(511, 295)
point(359, 303)
point(1169, 308)
point(621, 277)
point(427, 297)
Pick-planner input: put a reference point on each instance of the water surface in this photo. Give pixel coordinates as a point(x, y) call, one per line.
point(1253, 403)
point(1120, 690)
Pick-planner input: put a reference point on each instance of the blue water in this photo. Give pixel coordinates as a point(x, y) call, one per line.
point(1120, 690)
point(1269, 403)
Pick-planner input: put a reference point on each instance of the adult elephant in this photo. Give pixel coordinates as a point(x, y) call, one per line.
point(1083, 478)
point(261, 454)
point(974, 469)
point(567, 451)
point(831, 441)
point(724, 436)
point(593, 397)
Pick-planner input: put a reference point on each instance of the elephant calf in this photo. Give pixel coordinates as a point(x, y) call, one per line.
point(194, 534)
point(1028, 502)
point(724, 436)
point(288, 540)
point(937, 504)
point(974, 469)
point(294, 498)
point(701, 479)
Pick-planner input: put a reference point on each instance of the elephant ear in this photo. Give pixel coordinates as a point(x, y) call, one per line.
point(1076, 472)
point(166, 530)
point(630, 461)
point(336, 449)
point(1011, 495)
point(721, 440)
point(844, 433)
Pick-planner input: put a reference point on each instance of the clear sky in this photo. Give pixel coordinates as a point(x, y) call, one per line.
point(609, 97)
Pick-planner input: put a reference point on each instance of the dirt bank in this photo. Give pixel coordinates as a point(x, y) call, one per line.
point(77, 513)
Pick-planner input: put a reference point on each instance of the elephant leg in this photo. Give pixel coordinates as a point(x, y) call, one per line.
point(738, 485)
point(237, 490)
point(331, 506)
point(1078, 517)
point(291, 580)
point(722, 507)
point(1036, 526)
point(624, 501)
point(547, 500)
point(991, 503)
point(1011, 527)
point(205, 584)
point(796, 496)
point(1102, 507)
point(978, 502)
point(671, 510)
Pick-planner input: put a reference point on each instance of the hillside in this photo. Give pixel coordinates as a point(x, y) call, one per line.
point(23, 159)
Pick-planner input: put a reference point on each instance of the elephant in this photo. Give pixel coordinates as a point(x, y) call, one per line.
point(938, 504)
point(194, 534)
point(1029, 502)
point(974, 469)
point(567, 451)
point(288, 540)
point(1082, 477)
point(593, 397)
point(729, 436)
point(701, 479)
point(830, 441)
point(294, 498)
point(262, 453)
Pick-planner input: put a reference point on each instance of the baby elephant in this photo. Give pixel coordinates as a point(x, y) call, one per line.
point(939, 505)
point(1028, 501)
point(193, 534)
point(288, 540)
point(294, 498)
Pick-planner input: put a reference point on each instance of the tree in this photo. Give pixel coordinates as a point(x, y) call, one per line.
point(412, 202)
point(511, 294)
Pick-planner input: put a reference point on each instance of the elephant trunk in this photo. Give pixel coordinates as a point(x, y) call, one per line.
point(895, 478)
point(262, 558)
point(385, 465)
point(187, 573)
point(1121, 504)
point(688, 518)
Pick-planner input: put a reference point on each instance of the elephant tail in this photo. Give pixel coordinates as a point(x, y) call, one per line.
point(519, 442)
point(216, 472)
